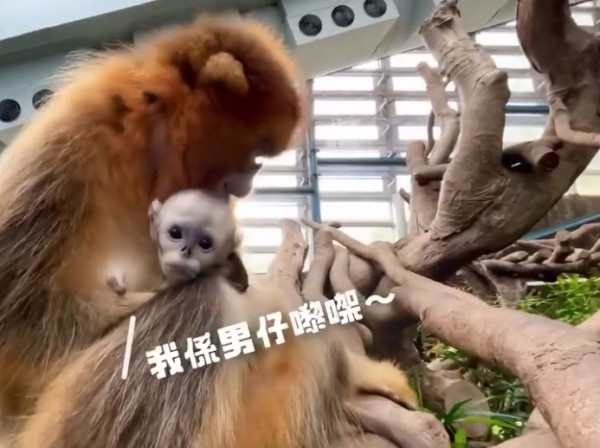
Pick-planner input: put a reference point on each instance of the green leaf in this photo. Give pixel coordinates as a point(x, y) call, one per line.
point(453, 412)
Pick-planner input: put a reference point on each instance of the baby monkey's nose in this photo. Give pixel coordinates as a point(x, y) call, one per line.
point(185, 250)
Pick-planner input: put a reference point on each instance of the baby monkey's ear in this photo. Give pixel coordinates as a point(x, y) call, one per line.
point(153, 216)
point(235, 272)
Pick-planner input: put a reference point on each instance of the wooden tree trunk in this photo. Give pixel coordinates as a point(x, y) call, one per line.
point(471, 201)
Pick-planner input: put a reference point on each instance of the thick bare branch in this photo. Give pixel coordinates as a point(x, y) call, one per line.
point(424, 194)
point(478, 192)
point(538, 155)
point(405, 195)
point(562, 125)
point(556, 362)
point(562, 247)
point(357, 337)
point(288, 262)
point(318, 272)
point(541, 270)
point(428, 173)
point(406, 429)
point(383, 254)
point(538, 432)
point(545, 263)
point(449, 118)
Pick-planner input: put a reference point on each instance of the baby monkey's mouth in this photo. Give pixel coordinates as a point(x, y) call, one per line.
point(186, 268)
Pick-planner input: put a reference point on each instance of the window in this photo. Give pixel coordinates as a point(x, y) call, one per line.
point(257, 263)
point(411, 60)
point(346, 153)
point(287, 158)
point(341, 132)
point(517, 134)
point(371, 65)
point(356, 211)
point(416, 132)
point(263, 180)
point(508, 61)
point(583, 18)
point(415, 83)
point(341, 83)
point(520, 84)
point(368, 235)
point(588, 184)
point(350, 184)
point(417, 107)
point(344, 107)
point(261, 236)
point(497, 38)
point(253, 209)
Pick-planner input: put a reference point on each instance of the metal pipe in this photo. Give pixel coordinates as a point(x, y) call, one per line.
point(549, 231)
point(527, 109)
point(284, 191)
point(375, 161)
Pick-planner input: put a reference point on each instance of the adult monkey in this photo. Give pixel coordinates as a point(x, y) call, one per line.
point(183, 111)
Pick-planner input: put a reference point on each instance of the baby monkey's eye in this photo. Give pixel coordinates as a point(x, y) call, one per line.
point(175, 232)
point(205, 243)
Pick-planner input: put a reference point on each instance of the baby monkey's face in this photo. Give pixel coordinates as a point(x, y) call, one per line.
point(194, 231)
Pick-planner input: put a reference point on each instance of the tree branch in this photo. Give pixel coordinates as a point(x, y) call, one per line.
point(449, 118)
point(405, 195)
point(557, 364)
point(428, 173)
point(562, 125)
point(478, 192)
point(288, 262)
point(538, 155)
point(318, 272)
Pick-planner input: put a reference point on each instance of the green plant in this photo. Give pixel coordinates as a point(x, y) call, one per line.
point(503, 426)
point(572, 299)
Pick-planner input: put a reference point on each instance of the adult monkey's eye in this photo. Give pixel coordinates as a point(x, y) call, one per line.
point(206, 243)
point(175, 232)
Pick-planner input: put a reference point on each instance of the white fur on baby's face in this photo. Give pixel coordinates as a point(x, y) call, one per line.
point(194, 230)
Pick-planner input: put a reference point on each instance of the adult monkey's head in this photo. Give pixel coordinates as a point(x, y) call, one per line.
point(221, 92)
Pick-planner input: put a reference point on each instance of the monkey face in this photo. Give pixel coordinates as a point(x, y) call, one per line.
point(194, 231)
point(187, 249)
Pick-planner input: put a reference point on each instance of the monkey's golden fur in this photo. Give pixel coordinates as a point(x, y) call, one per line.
point(285, 396)
point(126, 127)
point(129, 126)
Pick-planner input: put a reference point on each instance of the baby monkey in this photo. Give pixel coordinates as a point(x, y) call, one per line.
point(195, 231)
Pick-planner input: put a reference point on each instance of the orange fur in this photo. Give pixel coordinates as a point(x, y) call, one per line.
point(182, 111)
point(126, 126)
